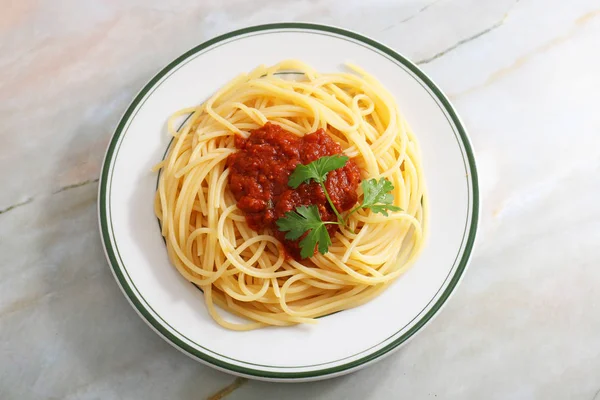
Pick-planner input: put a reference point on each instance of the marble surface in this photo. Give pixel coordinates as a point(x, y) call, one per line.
point(525, 77)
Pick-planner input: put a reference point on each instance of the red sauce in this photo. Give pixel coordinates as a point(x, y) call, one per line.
point(259, 174)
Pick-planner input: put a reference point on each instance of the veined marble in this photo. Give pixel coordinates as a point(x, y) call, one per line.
point(525, 78)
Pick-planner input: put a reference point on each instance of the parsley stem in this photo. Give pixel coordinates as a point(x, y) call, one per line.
point(339, 217)
point(351, 212)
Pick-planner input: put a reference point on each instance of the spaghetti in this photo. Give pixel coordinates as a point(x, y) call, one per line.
point(248, 273)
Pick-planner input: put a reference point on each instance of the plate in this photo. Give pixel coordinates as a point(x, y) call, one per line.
point(339, 343)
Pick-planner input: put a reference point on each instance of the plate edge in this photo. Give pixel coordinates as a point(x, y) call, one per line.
point(326, 372)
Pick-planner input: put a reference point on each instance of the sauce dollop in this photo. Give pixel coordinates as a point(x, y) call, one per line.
point(259, 174)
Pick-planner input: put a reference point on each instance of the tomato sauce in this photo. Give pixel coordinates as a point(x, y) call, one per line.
point(259, 174)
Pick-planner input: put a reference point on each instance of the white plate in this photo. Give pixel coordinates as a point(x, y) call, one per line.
point(341, 342)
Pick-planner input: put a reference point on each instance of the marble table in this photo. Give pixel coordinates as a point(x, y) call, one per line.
point(525, 77)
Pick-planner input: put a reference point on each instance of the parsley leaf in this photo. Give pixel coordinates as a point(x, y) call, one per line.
point(377, 196)
point(384, 208)
point(316, 170)
point(306, 220)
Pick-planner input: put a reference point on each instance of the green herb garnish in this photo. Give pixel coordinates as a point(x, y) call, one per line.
point(376, 196)
point(317, 171)
point(306, 220)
